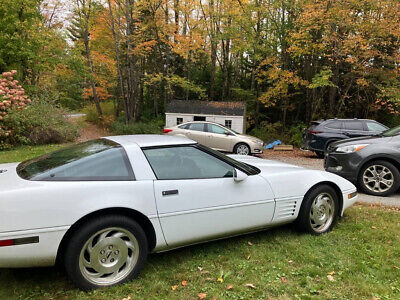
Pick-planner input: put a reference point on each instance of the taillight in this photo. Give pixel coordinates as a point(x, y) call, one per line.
point(315, 132)
point(6, 243)
point(166, 130)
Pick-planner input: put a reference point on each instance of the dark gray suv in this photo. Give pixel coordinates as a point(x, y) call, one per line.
point(372, 163)
point(321, 134)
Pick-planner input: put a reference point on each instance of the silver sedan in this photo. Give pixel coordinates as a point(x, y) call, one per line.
point(218, 137)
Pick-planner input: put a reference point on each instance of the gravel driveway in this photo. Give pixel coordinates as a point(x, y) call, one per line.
point(310, 160)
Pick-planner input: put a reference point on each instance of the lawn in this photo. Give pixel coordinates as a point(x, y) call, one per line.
point(26, 152)
point(358, 259)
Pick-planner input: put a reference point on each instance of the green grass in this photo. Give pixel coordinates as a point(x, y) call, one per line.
point(26, 152)
point(362, 251)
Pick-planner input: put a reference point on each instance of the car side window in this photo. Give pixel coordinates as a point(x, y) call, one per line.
point(184, 126)
point(354, 125)
point(372, 126)
point(334, 125)
point(197, 127)
point(216, 129)
point(186, 162)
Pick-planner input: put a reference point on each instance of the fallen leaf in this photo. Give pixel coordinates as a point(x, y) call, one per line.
point(127, 298)
point(229, 287)
point(283, 279)
point(395, 267)
point(174, 287)
point(250, 285)
point(220, 279)
point(184, 283)
point(373, 227)
point(250, 243)
point(209, 279)
point(330, 278)
point(290, 261)
point(331, 273)
point(200, 269)
point(248, 257)
point(201, 295)
point(317, 279)
point(204, 272)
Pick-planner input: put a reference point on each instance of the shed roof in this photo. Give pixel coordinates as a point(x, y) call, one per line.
point(207, 107)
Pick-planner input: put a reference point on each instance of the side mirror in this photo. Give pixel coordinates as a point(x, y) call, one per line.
point(239, 175)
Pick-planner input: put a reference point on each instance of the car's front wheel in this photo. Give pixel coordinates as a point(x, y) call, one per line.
point(319, 210)
point(379, 178)
point(242, 149)
point(105, 252)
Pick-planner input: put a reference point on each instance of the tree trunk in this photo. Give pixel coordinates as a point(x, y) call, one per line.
point(117, 55)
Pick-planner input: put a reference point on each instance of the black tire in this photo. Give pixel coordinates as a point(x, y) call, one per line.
point(81, 237)
point(240, 146)
point(320, 154)
point(381, 163)
point(304, 220)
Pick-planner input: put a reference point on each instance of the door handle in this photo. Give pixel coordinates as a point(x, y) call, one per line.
point(170, 192)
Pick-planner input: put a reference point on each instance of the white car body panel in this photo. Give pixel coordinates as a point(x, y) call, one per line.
point(204, 209)
point(210, 208)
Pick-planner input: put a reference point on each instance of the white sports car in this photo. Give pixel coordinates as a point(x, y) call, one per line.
point(101, 206)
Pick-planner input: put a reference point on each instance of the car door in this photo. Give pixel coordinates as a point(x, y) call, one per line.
point(198, 199)
point(354, 128)
point(196, 132)
point(218, 138)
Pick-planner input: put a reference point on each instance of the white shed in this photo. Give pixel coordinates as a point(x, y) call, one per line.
point(229, 114)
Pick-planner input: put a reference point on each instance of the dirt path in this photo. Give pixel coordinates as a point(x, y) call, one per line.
point(91, 131)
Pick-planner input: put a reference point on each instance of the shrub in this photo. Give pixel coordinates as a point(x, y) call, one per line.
point(12, 96)
point(296, 134)
point(37, 124)
point(268, 132)
point(144, 127)
point(108, 114)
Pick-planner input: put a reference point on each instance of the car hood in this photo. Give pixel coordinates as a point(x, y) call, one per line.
point(248, 137)
point(362, 140)
point(289, 180)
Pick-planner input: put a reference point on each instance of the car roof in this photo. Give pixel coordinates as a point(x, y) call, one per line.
point(209, 122)
point(150, 140)
point(348, 120)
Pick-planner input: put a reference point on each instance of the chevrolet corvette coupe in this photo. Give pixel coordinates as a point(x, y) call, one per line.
point(100, 207)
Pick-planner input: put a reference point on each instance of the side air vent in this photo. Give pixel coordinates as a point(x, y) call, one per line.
point(286, 209)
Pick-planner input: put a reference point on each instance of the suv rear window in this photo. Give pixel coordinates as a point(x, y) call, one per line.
point(354, 125)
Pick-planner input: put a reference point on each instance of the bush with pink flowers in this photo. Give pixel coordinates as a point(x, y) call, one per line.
point(12, 96)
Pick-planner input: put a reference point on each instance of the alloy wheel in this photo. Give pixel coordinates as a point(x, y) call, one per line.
point(242, 150)
point(378, 178)
point(109, 256)
point(322, 212)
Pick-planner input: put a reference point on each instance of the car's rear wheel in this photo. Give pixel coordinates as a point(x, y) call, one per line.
point(319, 210)
point(242, 149)
point(320, 154)
point(379, 178)
point(106, 252)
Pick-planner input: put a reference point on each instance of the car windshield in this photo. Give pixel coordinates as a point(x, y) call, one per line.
point(249, 169)
point(392, 132)
point(94, 160)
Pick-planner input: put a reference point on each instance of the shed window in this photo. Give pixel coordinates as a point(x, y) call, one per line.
point(199, 118)
point(179, 121)
point(228, 123)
